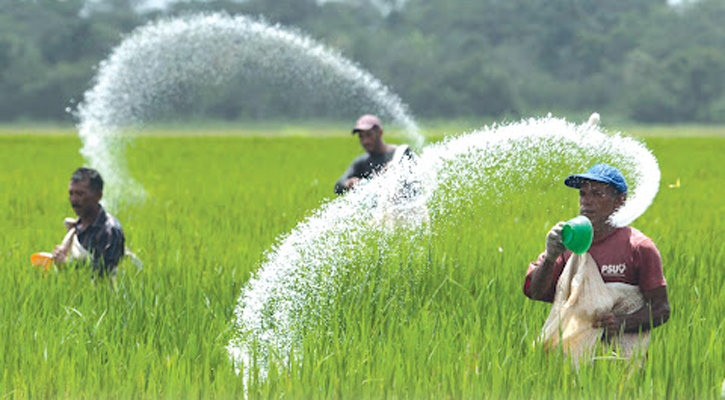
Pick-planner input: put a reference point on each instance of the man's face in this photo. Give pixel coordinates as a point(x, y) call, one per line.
point(369, 139)
point(598, 200)
point(82, 198)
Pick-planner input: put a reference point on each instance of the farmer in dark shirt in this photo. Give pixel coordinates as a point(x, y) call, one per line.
point(378, 155)
point(96, 236)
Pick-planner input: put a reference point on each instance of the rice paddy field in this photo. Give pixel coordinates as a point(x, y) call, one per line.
point(443, 319)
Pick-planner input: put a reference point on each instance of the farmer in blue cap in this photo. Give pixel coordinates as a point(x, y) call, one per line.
point(378, 153)
point(622, 254)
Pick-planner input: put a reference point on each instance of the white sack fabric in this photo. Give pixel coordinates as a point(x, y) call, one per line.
point(581, 296)
point(75, 251)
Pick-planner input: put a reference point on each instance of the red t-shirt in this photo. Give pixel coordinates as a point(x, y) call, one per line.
point(626, 256)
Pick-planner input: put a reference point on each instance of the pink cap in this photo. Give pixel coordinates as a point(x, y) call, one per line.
point(366, 122)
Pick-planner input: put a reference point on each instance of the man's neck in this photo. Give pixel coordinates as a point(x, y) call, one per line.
point(380, 150)
point(90, 217)
point(603, 231)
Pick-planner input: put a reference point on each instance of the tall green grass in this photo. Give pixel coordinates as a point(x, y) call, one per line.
point(441, 316)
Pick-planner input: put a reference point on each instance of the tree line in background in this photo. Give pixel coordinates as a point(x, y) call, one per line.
point(642, 59)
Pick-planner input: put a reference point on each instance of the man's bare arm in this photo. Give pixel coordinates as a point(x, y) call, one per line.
point(541, 279)
point(655, 312)
point(543, 275)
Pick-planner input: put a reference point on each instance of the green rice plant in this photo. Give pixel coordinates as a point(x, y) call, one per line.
point(434, 315)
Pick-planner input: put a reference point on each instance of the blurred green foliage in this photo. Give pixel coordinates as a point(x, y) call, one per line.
point(643, 60)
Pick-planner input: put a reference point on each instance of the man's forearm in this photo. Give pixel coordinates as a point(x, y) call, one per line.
point(541, 279)
point(644, 319)
point(341, 184)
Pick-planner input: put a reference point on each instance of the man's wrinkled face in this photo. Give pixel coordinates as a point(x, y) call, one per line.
point(82, 198)
point(369, 139)
point(598, 200)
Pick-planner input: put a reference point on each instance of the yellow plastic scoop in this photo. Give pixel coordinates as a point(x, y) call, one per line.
point(42, 259)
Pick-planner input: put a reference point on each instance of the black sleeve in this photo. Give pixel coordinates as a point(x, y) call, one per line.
point(410, 154)
point(349, 173)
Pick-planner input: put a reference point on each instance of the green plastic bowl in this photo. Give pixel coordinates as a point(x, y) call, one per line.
point(577, 234)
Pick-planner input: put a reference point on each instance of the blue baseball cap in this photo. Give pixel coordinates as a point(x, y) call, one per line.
point(601, 173)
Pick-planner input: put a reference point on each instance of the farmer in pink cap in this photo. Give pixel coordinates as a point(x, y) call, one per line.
point(378, 153)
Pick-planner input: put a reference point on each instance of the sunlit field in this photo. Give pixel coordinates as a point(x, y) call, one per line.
point(449, 321)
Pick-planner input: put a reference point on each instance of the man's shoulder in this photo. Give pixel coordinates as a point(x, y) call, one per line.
point(112, 223)
point(362, 159)
point(635, 238)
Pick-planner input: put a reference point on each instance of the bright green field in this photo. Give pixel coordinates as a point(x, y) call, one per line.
point(461, 329)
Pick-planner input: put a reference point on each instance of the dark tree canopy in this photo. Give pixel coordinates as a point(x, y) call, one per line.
point(642, 59)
